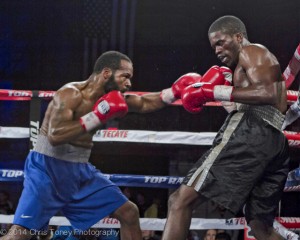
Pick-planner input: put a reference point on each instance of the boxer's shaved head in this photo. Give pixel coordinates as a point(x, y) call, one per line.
point(229, 25)
point(110, 59)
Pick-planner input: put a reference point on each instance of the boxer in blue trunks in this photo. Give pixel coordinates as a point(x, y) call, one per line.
point(58, 176)
point(247, 164)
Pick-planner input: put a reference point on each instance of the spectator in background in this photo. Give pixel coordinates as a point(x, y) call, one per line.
point(210, 234)
point(128, 193)
point(225, 214)
point(223, 236)
point(151, 212)
point(141, 203)
point(6, 208)
point(193, 235)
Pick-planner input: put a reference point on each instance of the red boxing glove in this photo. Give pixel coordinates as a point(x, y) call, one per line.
point(195, 95)
point(109, 106)
point(211, 88)
point(227, 73)
point(170, 95)
point(218, 76)
point(193, 98)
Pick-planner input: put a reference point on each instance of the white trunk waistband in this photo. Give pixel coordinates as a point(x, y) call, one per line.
point(65, 152)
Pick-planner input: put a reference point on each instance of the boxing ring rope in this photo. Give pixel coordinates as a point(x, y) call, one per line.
point(27, 95)
point(151, 181)
point(205, 138)
point(162, 137)
point(158, 224)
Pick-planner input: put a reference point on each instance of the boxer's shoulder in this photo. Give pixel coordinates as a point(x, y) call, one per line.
point(254, 50)
point(70, 94)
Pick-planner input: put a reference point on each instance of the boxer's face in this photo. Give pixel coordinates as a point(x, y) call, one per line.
point(111, 84)
point(119, 79)
point(226, 47)
point(122, 77)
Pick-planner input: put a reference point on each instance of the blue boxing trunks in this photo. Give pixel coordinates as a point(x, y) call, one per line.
point(247, 164)
point(73, 187)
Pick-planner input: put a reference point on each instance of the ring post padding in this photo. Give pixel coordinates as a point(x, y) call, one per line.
point(35, 116)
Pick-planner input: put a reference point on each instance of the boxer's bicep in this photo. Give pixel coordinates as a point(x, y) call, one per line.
point(64, 106)
point(62, 112)
point(261, 81)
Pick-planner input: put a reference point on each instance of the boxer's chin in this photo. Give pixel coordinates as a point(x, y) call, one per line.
point(111, 85)
point(124, 90)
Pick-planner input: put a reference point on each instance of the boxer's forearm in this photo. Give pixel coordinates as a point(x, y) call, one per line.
point(152, 102)
point(65, 132)
point(146, 103)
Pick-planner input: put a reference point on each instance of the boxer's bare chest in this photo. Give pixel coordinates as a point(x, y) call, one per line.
point(240, 78)
point(83, 108)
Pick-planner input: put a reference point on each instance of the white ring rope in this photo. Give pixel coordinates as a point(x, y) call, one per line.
point(140, 136)
point(158, 224)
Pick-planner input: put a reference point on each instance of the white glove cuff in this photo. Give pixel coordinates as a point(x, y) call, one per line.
point(90, 121)
point(167, 96)
point(223, 93)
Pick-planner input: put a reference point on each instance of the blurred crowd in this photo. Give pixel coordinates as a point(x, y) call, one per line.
point(149, 205)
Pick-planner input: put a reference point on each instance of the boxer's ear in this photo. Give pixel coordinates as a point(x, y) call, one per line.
point(239, 37)
point(107, 72)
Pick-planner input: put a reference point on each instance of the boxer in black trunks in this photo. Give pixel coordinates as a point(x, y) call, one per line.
point(248, 162)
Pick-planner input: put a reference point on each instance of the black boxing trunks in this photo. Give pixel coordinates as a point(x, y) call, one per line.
point(247, 163)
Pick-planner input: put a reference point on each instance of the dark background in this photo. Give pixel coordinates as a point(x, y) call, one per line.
point(42, 43)
point(45, 44)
